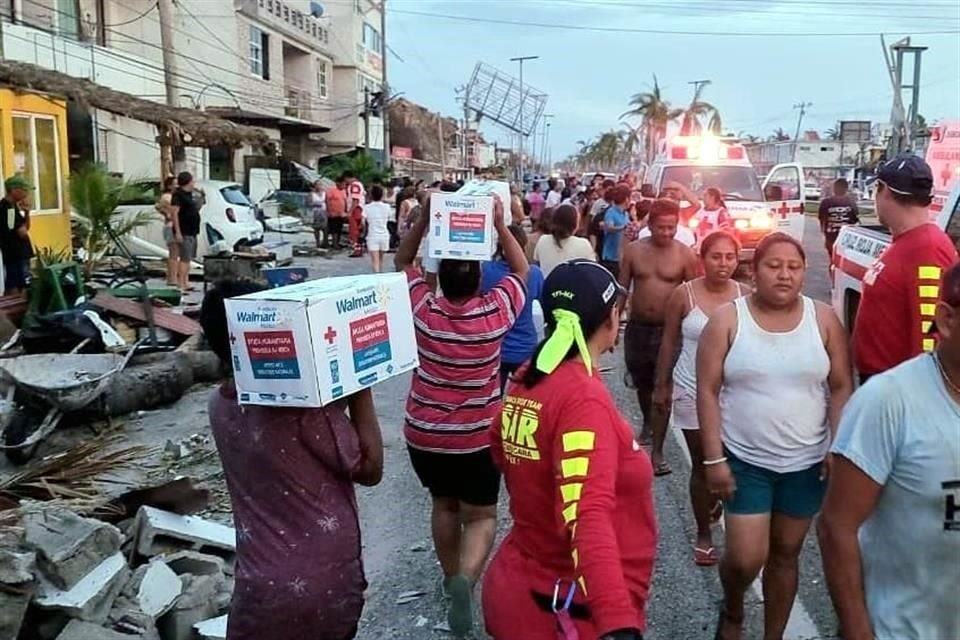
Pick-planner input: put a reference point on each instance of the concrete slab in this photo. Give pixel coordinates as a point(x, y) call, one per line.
point(16, 567)
point(79, 630)
point(195, 563)
point(157, 529)
point(159, 588)
point(68, 546)
point(13, 608)
point(213, 629)
point(91, 598)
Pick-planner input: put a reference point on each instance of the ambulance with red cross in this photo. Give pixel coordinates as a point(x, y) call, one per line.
point(757, 208)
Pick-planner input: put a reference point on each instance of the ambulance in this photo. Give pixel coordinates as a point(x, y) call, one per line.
point(757, 208)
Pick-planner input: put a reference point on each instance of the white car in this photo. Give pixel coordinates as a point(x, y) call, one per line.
point(812, 191)
point(227, 217)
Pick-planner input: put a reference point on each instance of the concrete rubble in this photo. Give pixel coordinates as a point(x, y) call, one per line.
point(65, 577)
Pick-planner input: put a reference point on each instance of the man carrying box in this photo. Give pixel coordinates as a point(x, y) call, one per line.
point(454, 399)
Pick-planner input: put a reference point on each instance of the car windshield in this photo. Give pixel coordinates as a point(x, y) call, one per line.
point(736, 183)
point(234, 195)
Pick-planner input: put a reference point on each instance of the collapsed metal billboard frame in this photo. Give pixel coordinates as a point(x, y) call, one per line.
point(502, 99)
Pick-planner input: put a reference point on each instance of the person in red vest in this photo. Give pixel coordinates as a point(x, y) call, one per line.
point(356, 199)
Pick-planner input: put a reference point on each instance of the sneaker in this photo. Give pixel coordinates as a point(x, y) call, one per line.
point(460, 611)
point(445, 586)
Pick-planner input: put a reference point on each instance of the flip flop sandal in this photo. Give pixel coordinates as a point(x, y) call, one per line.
point(705, 557)
point(663, 469)
point(716, 512)
point(721, 619)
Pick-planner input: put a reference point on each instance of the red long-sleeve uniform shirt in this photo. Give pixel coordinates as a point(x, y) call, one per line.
point(900, 294)
point(581, 499)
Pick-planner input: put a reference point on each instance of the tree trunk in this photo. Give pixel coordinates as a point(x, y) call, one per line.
point(154, 383)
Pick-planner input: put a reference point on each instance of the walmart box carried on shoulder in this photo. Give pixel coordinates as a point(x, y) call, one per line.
point(461, 227)
point(308, 344)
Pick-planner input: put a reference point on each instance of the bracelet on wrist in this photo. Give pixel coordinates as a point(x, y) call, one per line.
point(710, 463)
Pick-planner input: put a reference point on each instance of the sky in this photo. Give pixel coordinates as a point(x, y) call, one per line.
point(611, 49)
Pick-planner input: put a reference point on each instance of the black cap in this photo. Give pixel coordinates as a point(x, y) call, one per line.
point(584, 287)
point(907, 174)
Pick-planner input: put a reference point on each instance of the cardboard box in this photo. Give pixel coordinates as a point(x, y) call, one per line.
point(461, 227)
point(308, 344)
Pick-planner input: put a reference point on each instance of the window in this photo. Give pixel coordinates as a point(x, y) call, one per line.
point(259, 53)
point(825, 149)
point(371, 38)
point(36, 156)
point(322, 78)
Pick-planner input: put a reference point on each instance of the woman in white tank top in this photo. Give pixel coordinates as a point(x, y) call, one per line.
point(773, 375)
point(675, 393)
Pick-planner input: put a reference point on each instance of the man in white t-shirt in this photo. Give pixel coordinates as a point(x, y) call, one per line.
point(890, 526)
point(554, 196)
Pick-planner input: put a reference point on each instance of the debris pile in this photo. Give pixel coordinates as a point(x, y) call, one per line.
point(157, 576)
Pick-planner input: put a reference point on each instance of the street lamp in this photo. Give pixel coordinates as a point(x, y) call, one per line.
point(521, 60)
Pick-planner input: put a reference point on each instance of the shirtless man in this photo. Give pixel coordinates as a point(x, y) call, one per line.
point(654, 266)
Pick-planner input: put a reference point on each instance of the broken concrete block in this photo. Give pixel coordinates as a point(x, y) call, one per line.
point(92, 597)
point(68, 546)
point(13, 608)
point(153, 589)
point(79, 630)
point(197, 603)
point(16, 567)
point(195, 563)
point(214, 629)
point(157, 529)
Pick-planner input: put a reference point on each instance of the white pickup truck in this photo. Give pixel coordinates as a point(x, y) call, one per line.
point(858, 247)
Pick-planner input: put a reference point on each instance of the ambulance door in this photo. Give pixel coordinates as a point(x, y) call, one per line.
point(783, 191)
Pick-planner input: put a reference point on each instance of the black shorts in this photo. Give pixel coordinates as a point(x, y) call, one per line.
point(468, 477)
point(641, 346)
point(335, 225)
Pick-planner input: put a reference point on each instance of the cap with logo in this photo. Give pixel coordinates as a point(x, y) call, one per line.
point(17, 182)
point(578, 296)
point(907, 174)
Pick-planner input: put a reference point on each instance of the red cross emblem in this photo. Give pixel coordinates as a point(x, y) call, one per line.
point(233, 339)
point(330, 335)
point(783, 210)
point(437, 215)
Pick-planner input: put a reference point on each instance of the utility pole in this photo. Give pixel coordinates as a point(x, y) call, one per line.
point(796, 138)
point(903, 133)
point(165, 11)
point(366, 119)
point(443, 152)
point(546, 139)
point(466, 125)
point(697, 84)
point(523, 99)
point(385, 111)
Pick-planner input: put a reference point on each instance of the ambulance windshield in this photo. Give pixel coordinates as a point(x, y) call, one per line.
point(736, 183)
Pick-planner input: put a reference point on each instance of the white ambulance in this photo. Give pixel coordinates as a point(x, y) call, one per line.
point(699, 162)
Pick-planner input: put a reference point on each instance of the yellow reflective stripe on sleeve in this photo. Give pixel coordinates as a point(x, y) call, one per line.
point(929, 291)
point(929, 272)
point(578, 441)
point(928, 344)
point(573, 532)
point(571, 491)
point(570, 513)
point(928, 309)
point(574, 467)
point(583, 585)
point(576, 558)
point(925, 326)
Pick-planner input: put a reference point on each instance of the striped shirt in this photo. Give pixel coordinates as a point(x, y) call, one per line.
point(455, 392)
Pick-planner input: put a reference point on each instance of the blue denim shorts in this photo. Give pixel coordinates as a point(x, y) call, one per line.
point(798, 494)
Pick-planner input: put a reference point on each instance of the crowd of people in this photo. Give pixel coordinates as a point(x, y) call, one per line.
point(757, 377)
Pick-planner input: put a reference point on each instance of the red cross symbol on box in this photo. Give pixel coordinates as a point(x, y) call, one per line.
point(330, 335)
point(438, 215)
point(783, 210)
point(233, 339)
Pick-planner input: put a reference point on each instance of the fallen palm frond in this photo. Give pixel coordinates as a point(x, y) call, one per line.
point(76, 475)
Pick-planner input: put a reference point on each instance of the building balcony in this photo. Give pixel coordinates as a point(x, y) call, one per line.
point(302, 27)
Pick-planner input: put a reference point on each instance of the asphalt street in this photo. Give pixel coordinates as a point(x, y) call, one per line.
point(399, 558)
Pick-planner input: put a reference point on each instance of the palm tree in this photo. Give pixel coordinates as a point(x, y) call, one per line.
point(715, 125)
point(833, 133)
point(697, 109)
point(95, 195)
point(780, 135)
point(632, 139)
point(655, 115)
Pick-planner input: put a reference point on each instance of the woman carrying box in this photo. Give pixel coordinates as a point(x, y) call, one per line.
point(290, 474)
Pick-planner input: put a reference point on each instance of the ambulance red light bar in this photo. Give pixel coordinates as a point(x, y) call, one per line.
point(705, 148)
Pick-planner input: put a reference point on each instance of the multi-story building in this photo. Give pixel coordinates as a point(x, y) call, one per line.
point(358, 49)
point(266, 63)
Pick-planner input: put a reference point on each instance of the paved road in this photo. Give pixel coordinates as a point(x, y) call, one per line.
point(399, 558)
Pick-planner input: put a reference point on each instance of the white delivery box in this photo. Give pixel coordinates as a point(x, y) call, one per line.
point(308, 344)
point(461, 227)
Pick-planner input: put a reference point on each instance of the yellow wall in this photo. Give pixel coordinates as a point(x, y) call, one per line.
point(50, 230)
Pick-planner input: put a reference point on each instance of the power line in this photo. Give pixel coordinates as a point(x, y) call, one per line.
point(571, 27)
point(132, 20)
